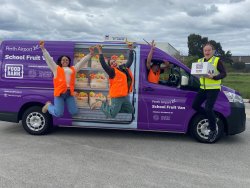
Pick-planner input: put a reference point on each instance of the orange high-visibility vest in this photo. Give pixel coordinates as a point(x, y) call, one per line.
point(118, 86)
point(152, 77)
point(60, 85)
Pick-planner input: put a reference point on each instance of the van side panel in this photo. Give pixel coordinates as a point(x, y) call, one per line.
point(25, 77)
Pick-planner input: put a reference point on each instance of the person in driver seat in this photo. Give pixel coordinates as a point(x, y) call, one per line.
point(155, 69)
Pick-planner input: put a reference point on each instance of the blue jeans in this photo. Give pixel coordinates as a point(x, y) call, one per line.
point(58, 108)
point(118, 105)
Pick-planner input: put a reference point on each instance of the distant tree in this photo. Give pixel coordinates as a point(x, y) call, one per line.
point(189, 60)
point(195, 43)
point(228, 57)
point(195, 48)
point(218, 49)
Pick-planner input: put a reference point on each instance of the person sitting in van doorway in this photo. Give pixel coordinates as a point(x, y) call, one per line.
point(209, 89)
point(155, 69)
point(64, 81)
point(120, 85)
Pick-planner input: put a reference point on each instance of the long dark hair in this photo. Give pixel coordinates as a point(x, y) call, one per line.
point(60, 59)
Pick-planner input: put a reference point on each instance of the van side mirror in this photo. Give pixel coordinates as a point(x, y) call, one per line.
point(184, 80)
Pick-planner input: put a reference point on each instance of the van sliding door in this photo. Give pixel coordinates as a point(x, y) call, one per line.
point(92, 84)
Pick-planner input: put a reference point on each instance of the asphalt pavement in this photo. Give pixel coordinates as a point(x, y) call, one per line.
point(73, 157)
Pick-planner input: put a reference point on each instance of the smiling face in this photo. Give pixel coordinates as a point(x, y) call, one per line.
point(65, 61)
point(208, 51)
point(113, 63)
point(155, 68)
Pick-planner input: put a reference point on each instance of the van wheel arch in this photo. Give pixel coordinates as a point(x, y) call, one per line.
point(35, 122)
point(198, 127)
point(26, 106)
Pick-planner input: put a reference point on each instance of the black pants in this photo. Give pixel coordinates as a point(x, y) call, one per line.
point(210, 95)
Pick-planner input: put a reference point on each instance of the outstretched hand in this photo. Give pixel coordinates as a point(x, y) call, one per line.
point(99, 48)
point(153, 44)
point(167, 65)
point(91, 50)
point(41, 44)
point(130, 45)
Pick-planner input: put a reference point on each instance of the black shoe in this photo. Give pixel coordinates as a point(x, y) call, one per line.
point(212, 135)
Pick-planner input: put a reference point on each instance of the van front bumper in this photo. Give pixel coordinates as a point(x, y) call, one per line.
point(236, 121)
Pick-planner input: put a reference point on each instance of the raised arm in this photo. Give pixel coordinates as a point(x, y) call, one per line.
point(110, 71)
point(131, 55)
point(84, 60)
point(150, 54)
point(48, 59)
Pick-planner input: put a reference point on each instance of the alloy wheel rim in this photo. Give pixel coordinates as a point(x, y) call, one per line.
point(203, 129)
point(35, 121)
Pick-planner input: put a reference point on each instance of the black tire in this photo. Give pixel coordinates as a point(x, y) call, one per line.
point(199, 129)
point(35, 122)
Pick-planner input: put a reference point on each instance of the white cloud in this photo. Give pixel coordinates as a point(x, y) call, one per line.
point(225, 21)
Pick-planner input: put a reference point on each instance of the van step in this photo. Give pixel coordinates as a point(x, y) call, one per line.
point(98, 116)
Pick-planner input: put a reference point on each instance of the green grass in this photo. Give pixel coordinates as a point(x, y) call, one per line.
point(239, 82)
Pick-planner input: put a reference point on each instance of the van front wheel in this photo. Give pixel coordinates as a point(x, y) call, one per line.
point(35, 122)
point(200, 129)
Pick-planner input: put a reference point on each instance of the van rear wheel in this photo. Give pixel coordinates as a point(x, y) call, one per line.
point(35, 122)
point(199, 129)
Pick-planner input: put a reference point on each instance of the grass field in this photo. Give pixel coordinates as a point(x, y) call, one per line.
point(239, 82)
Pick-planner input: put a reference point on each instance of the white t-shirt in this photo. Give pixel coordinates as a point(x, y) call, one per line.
point(53, 66)
point(67, 72)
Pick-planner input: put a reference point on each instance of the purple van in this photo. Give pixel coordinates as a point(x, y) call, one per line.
point(26, 83)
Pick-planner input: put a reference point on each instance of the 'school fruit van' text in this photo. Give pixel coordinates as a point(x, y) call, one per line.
point(26, 83)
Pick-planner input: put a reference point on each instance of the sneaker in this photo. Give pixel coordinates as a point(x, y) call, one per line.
point(104, 110)
point(96, 104)
point(212, 135)
point(45, 107)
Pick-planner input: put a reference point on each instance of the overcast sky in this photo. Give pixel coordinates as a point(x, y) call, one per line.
point(225, 21)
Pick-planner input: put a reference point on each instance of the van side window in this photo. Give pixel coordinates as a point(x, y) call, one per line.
point(171, 75)
point(176, 76)
point(157, 71)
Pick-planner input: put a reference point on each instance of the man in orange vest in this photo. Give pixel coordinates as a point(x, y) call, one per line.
point(155, 69)
point(120, 85)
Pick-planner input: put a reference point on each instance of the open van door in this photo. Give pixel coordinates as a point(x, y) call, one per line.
point(92, 83)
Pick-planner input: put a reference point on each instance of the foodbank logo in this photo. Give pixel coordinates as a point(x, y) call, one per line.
point(13, 71)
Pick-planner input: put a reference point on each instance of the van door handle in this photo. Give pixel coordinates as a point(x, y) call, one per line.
point(148, 89)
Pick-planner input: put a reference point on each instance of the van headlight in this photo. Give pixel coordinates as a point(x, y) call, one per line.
point(232, 97)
